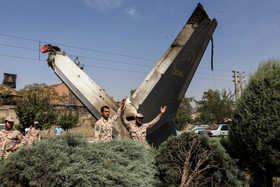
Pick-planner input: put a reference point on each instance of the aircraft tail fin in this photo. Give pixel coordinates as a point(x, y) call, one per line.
point(168, 81)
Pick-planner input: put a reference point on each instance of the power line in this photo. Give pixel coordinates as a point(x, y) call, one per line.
point(216, 69)
point(7, 45)
point(27, 58)
point(212, 74)
point(116, 61)
point(118, 69)
point(213, 79)
point(28, 39)
point(236, 49)
point(115, 69)
point(21, 57)
point(81, 48)
point(116, 54)
point(101, 59)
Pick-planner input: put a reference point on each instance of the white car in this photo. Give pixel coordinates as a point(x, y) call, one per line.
point(215, 130)
point(2, 126)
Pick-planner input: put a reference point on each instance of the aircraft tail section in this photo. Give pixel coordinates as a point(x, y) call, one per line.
point(168, 81)
point(86, 90)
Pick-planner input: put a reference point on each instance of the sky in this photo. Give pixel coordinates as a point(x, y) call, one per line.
point(119, 41)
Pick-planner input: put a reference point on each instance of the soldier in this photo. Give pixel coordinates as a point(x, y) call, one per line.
point(34, 133)
point(137, 131)
point(103, 127)
point(10, 139)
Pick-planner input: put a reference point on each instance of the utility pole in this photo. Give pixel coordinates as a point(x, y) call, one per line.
point(240, 82)
point(235, 85)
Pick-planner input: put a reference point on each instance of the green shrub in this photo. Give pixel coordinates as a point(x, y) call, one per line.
point(194, 160)
point(254, 134)
point(71, 161)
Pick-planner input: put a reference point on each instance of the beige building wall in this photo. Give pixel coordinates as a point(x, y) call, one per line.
point(8, 110)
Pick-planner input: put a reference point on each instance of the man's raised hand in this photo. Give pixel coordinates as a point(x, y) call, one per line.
point(122, 105)
point(162, 110)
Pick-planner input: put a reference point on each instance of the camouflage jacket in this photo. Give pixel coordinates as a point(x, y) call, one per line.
point(33, 135)
point(8, 140)
point(103, 128)
point(138, 133)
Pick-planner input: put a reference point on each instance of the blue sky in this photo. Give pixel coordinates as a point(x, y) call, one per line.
point(119, 41)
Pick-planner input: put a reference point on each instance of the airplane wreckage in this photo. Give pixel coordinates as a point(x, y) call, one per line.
point(166, 84)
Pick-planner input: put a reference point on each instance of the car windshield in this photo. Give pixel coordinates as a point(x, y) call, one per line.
point(212, 127)
point(198, 127)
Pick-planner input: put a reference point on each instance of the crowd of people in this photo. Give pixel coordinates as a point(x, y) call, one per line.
point(11, 139)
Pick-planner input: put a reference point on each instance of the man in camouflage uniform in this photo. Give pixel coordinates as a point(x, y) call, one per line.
point(34, 134)
point(137, 130)
point(10, 139)
point(104, 126)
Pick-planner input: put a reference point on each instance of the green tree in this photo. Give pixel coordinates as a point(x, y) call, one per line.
point(70, 160)
point(68, 118)
point(194, 160)
point(215, 106)
point(254, 134)
point(183, 116)
point(37, 104)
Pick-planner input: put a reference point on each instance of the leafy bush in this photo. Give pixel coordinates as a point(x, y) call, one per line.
point(254, 134)
point(68, 118)
point(71, 161)
point(194, 160)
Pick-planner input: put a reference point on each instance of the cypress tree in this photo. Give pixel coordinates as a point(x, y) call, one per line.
point(255, 130)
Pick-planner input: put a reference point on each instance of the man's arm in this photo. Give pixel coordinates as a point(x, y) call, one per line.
point(154, 121)
point(115, 117)
point(22, 140)
point(120, 110)
point(126, 124)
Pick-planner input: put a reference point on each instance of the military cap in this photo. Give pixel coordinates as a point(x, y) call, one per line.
point(139, 115)
point(9, 119)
